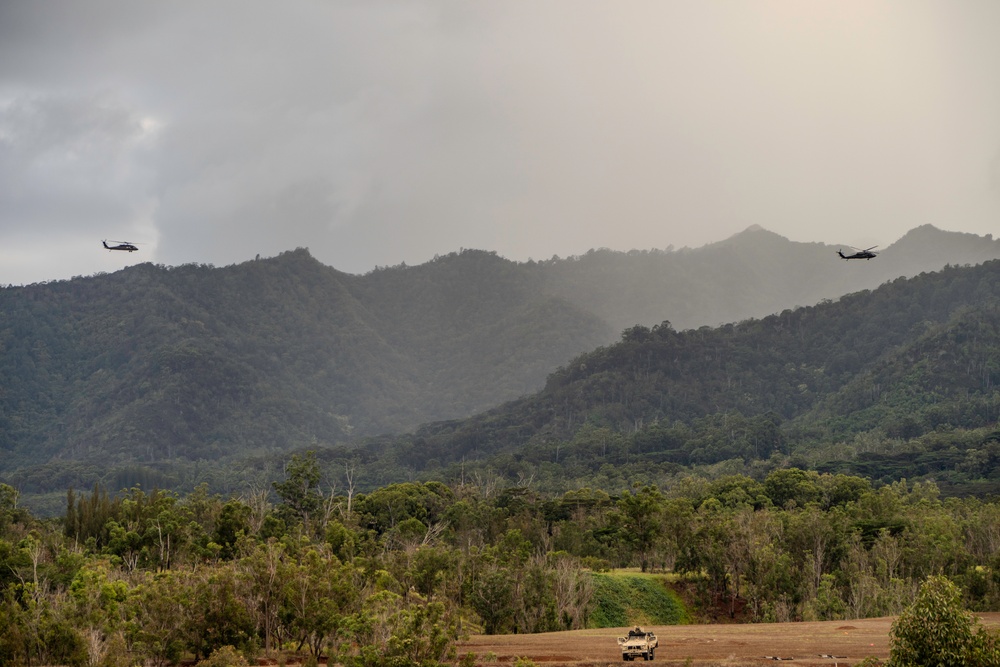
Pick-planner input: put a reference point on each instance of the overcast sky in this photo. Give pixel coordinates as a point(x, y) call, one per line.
point(376, 132)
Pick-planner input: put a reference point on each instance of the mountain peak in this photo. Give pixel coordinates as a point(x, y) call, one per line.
point(754, 234)
point(756, 230)
point(924, 231)
point(932, 236)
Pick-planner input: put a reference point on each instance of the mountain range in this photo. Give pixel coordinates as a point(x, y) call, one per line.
point(155, 365)
point(913, 357)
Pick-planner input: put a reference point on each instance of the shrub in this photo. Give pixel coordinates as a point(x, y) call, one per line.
point(225, 656)
point(870, 661)
point(937, 630)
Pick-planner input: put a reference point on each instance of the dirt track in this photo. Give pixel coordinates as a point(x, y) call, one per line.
point(704, 645)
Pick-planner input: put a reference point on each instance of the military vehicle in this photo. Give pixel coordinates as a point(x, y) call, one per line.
point(638, 643)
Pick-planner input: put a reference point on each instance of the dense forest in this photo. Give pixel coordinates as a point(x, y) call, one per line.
point(309, 566)
point(213, 376)
point(197, 363)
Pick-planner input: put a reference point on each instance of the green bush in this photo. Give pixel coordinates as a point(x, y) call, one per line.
point(870, 661)
point(225, 656)
point(936, 630)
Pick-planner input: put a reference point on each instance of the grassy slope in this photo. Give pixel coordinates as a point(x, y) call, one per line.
point(628, 598)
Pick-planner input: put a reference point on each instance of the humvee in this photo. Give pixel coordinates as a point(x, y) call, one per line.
point(637, 643)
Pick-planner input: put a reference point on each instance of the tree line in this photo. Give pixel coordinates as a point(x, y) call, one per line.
point(396, 575)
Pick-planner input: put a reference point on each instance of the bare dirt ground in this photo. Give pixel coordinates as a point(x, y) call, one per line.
point(846, 642)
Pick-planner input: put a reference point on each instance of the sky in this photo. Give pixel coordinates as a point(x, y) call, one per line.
point(376, 132)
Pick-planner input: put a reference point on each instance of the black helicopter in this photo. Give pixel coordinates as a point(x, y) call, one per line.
point(859, 254)
point(120, 245)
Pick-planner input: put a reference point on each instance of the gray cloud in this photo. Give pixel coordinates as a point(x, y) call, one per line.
point(71, 173)
point(376, 133)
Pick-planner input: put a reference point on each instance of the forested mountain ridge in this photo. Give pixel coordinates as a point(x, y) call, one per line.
point(155, 359)
point(159, 365)
point(193, 362)
point(906, 360)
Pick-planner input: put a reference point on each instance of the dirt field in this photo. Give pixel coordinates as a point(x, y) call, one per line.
point(848, 642)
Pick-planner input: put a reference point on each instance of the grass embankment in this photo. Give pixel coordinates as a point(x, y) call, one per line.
point(627, 598)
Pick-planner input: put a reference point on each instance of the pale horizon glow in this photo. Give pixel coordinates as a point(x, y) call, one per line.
point(384, 133)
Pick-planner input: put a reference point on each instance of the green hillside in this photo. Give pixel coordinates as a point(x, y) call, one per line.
point(194, 362)
point(909, 366)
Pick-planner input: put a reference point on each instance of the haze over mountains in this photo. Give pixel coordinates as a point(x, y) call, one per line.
point(904, 360)
point(752, 274)
point(160, 364)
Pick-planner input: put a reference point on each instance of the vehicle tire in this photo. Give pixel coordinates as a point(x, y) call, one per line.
point(652, 653)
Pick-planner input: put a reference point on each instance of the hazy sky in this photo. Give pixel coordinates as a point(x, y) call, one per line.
point(377, 132)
